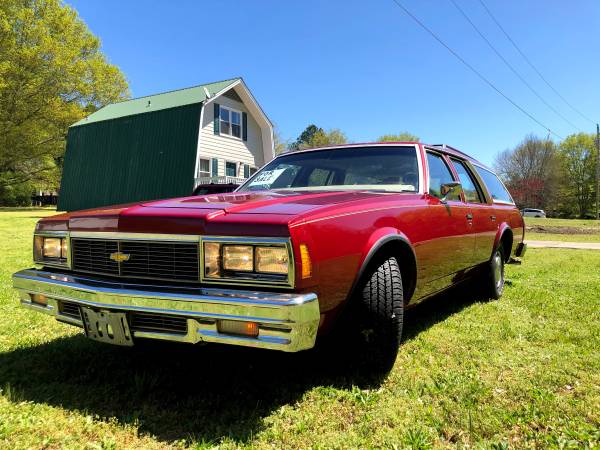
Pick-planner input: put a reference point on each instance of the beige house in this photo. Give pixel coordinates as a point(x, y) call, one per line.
point(235, 138)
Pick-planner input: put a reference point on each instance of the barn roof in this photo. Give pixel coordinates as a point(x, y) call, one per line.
point(149, 103)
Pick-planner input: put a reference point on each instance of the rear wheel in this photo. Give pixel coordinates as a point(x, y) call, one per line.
point(495, 278)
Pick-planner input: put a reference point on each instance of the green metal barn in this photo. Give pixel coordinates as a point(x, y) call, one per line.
point(165, 145)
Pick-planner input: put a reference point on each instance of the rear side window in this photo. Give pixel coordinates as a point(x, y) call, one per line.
point(468, 183)
point(494, 186)
point(439, 174)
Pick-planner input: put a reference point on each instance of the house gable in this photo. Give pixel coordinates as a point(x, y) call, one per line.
point(220, 154)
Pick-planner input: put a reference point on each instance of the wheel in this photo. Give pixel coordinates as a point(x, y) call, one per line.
point(378, 316)
point(495, 278)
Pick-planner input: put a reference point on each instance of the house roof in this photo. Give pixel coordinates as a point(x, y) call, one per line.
point(171, 99)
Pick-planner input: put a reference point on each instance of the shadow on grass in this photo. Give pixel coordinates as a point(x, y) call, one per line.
point(200, 393)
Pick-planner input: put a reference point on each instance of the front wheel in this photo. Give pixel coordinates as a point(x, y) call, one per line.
point(379, 315)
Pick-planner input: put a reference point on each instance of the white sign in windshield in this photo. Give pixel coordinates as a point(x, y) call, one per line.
point(267, 177)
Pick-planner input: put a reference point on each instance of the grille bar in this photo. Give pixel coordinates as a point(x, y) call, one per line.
point(154, 260)
point(158, 323)
point(70, 309)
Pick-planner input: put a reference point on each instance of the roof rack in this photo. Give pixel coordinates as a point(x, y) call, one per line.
point(446, 146)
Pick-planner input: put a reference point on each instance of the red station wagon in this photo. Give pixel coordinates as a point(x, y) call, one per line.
point(359, 232)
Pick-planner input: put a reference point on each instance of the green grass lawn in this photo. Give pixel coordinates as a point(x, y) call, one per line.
point(520, 372)
point(568, 230)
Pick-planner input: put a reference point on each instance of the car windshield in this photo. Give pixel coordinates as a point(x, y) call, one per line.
point(387, 168)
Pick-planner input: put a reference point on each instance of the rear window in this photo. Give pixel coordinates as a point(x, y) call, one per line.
point(494, 186)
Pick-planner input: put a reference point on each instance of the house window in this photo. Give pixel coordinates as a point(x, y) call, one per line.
point(231, 122)
point(230, 169)
point(204, 168)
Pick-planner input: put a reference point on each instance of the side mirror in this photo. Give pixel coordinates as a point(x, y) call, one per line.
point(448, 189)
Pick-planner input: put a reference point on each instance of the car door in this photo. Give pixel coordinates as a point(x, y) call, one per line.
point(484, 225)
point(450, 246)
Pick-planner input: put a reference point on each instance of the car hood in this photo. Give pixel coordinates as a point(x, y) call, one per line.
point(264, 213)
point(264, 202)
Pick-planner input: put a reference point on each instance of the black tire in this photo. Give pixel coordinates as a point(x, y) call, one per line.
point(379, 316)
point(494, 283)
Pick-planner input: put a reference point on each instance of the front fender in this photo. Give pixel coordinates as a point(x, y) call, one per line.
point(376, 242)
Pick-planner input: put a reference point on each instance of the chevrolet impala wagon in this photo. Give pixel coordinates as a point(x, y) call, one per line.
point(339, 238)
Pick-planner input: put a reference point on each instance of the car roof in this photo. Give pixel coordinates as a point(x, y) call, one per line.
point(437, 147)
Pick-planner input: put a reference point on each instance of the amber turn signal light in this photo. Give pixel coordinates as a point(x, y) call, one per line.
point(238, 327)
point(306, 262)
point(39, 299)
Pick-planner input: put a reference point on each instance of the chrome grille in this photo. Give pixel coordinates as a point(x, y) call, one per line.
point(146, 259)
point(93, 255)
point(158, 323)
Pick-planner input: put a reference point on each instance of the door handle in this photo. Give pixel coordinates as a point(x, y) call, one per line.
point(469, 216)
point(493, 218)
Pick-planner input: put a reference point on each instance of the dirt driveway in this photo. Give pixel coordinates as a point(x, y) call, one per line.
point(561, 244)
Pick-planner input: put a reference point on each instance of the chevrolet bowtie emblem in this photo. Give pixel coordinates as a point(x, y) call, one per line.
point(119, 257)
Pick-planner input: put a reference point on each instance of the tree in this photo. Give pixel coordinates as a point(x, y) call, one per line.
point(52, 73)
point(305, 136)
point(322, 138)
point(404, 136)
point(279, 144)
point(314, 136)
point(531, 172)
point(577, 157)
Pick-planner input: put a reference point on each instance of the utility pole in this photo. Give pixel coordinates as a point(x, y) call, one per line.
point(597, 171)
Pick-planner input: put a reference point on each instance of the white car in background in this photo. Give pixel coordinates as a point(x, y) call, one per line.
point(531, 212)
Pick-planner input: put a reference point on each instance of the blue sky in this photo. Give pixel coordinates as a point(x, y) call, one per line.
point(364, 66)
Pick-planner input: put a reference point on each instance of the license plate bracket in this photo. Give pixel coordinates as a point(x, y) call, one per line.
point(106, 326)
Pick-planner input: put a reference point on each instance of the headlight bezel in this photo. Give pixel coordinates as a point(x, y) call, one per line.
point(245, 278)
point(39, 256)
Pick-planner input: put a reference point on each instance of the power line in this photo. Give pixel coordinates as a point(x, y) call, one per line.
point(531, 64)
point(511, 67)
point(472, 69)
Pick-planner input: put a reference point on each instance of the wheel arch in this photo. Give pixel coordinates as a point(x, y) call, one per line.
point(399, 246)
point(505, 237)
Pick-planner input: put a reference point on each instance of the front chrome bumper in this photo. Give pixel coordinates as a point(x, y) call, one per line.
point(286, 321)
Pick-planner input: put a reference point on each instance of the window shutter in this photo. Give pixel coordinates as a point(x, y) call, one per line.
point(215, 167)
point(246, 171)
point(217, 117)
point(244, 126)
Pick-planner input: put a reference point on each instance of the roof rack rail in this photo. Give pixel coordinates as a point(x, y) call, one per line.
point(446, 146)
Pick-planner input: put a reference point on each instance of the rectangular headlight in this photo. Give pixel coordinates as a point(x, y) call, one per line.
point(272, 260)
point(50, 249)
point(258, 261)
point(238, 258)
point(212, 259)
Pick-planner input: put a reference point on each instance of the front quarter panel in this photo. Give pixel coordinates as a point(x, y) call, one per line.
point(340, 243)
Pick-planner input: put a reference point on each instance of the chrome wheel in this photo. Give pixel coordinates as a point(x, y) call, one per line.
point(498, 271)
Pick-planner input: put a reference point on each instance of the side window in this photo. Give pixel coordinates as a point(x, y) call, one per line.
point(494, 186)
point(439, 174)
point(469, 184)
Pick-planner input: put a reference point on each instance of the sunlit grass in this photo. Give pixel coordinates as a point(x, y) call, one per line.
point(520, 372)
